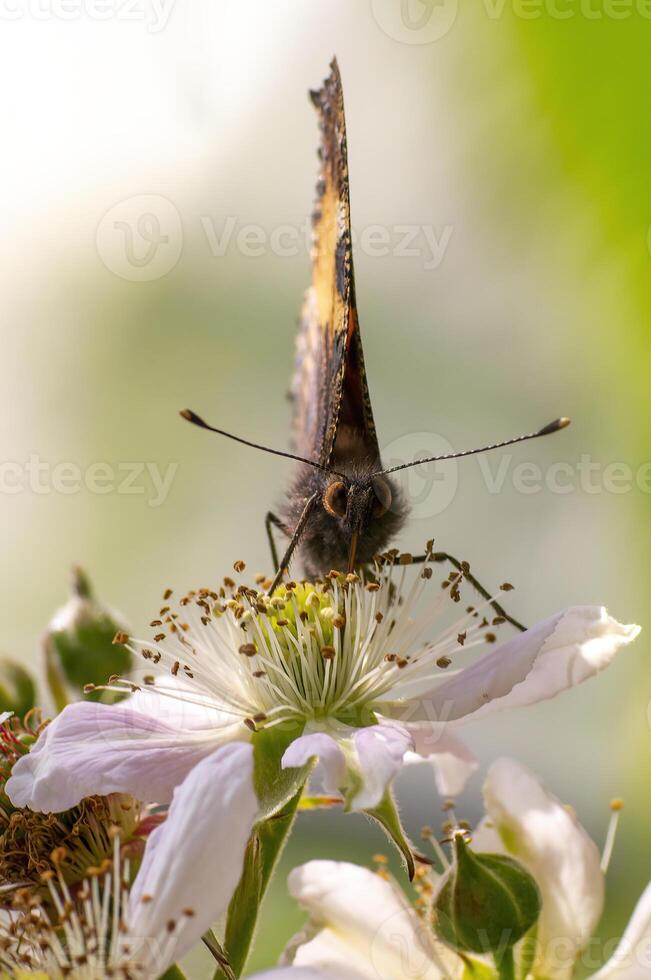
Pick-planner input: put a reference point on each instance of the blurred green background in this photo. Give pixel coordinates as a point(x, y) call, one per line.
point(520, 136)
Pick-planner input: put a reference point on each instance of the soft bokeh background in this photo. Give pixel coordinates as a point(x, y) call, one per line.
point(523, 141)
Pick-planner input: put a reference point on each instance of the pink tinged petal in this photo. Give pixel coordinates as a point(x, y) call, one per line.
point(555, 655)
point(193, 861)
point(96, 748)
point(361, 921)
point(632, 958)
point(537, 830)
point(452, 761)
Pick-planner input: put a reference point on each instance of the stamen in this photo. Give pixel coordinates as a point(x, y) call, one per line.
point(616, 807)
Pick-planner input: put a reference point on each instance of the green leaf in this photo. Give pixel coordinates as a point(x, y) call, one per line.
point(486, 904)
point(387, 816)
point(262, 854)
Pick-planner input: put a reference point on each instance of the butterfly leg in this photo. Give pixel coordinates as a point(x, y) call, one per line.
point(272, 521)
point(464, 568)
point(291, 547)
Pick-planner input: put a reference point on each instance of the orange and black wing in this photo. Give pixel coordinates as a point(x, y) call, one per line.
point(333, 419)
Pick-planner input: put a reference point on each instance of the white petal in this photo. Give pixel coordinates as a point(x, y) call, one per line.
point(452, 761)
point(193, 861)
point(358, 911)
point(632, 958)
point(358, 762)
point(318, 745)
point(549, 841)
point(334, 956)
point(555, 655)
point(97, 748)
point(380, 754)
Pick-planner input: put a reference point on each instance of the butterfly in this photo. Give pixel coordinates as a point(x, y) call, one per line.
point(342, 507)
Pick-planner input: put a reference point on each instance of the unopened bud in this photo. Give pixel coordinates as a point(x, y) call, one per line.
point(79, 645)
point(486, 903)
point(17, 689)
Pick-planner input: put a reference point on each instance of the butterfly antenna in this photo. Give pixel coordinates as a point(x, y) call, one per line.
point(191, 416)
point(547, 430)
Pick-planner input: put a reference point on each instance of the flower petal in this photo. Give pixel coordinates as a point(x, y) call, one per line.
point(193, 861)
point(380, 752)
point(557, 654)
point(452, 761)
point(360, 763)
point(364, 922)
point(632, 958)
point(318, 745)
point(97, 748)
point(537, 830)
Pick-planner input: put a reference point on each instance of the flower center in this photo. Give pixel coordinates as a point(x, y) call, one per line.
point(332, 648)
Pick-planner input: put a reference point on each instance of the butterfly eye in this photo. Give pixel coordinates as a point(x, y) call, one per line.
point(383, 498)
point(335, 499)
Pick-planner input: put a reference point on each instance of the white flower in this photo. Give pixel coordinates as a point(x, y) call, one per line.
point(185, 882)
point(361, 926)
point(346, 663)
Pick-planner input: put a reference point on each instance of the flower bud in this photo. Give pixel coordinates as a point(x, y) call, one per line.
point(78, 645)
point(486, 903)
point(17, 689)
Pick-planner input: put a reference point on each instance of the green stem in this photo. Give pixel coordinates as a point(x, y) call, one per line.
point(505, 964)
point(262, 855)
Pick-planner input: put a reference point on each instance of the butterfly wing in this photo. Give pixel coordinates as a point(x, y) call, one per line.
point(333, 419)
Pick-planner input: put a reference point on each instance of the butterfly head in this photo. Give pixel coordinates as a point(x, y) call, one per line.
point(356, 516)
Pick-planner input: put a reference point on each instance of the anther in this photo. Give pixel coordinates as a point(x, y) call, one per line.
point(248, 649)
point(506, 587)
point(328, 653)
point(120, 638)
point(443, 662)
point(239, 565)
